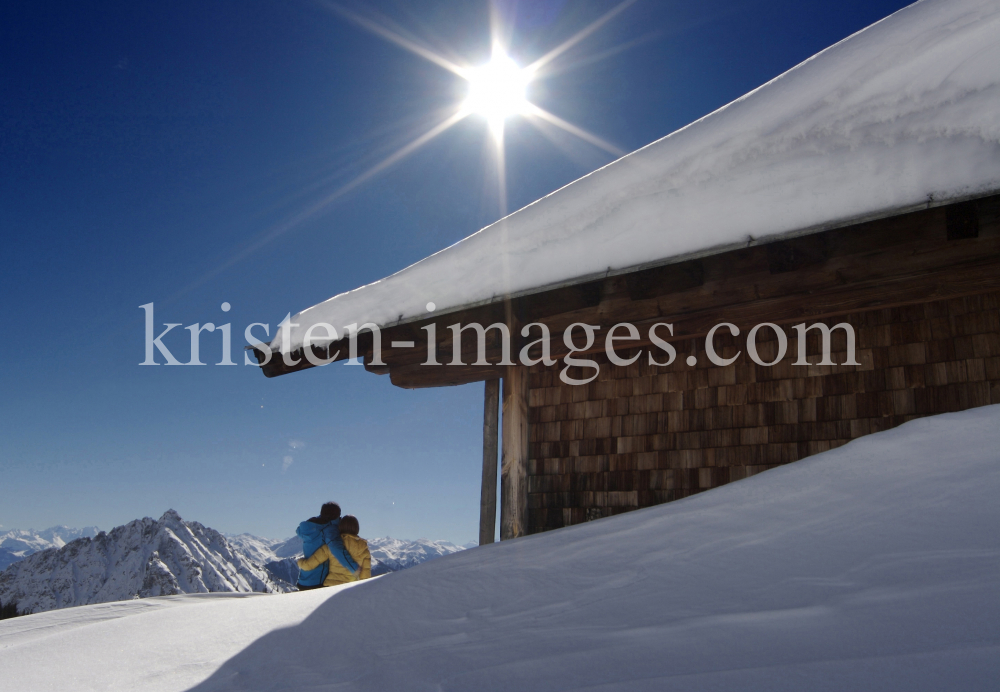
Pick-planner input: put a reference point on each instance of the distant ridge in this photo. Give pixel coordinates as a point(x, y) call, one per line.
point(146, 557)
point(388, 554)
point(18, 544)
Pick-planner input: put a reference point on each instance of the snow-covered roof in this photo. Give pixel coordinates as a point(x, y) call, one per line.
point(902, 115)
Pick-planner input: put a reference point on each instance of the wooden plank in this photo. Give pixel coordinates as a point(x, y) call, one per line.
point(963, 220)
point(488, 496)
point(513, 470)
point(847, 269)
point(672, 278)
point(963, 280)
point(714, 440)
point(418, 376)
point(966, 279)
point(908, 274)
point(797, 253)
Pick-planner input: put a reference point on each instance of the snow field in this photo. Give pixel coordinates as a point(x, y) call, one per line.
point(169, 642)
point(872, 566)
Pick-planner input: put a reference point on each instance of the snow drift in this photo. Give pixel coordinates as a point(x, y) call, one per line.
point(872, 566)
point(900, 116)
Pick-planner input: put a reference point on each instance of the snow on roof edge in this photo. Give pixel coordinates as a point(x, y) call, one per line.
point(708, 252)
point(891, 119)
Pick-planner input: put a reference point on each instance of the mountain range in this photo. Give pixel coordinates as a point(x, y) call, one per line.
point(62, 567)
point(388, 554)
point(17, 544)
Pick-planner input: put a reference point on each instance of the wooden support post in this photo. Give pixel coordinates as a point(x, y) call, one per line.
point(488, 499)
point(513, 468)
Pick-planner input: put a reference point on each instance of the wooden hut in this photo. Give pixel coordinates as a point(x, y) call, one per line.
point(859, 188)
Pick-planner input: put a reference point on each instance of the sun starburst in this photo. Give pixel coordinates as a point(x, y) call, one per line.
point(497, 90)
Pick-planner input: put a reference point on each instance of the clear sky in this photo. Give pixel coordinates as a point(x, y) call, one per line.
point(148, 151)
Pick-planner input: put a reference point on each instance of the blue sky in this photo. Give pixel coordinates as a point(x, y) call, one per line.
point(146, 148)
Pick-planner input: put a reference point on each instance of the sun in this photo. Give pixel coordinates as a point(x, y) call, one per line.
point(497, 90)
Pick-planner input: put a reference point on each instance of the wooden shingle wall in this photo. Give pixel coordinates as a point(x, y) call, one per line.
point(642, 435)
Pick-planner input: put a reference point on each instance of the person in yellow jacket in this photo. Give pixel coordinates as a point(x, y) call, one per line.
point(358, 549)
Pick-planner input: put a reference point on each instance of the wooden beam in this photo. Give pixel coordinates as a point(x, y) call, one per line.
point(488, 498)
point(513, 469)
point(418, 376)
point(879, 264)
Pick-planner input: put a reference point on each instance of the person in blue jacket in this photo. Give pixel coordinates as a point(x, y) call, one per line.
point(315, 532)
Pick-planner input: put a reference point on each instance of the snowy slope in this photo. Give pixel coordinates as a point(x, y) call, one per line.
point(874, 566)
point(8, 557)
point(257, 549)
point(276, 556)
point(900, 116)
point(17, 544)
point(143, 558)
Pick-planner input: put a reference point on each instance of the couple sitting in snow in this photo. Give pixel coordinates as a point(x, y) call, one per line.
point(334, 553)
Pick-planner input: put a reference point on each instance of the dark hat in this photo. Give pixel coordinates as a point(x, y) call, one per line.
point(349, 524)
point(330, 511)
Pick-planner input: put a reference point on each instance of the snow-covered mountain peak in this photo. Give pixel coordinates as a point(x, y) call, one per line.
point(171, 518)
point(397, 554)
point(52, 537)
point(145, 557)
point(62, 567)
